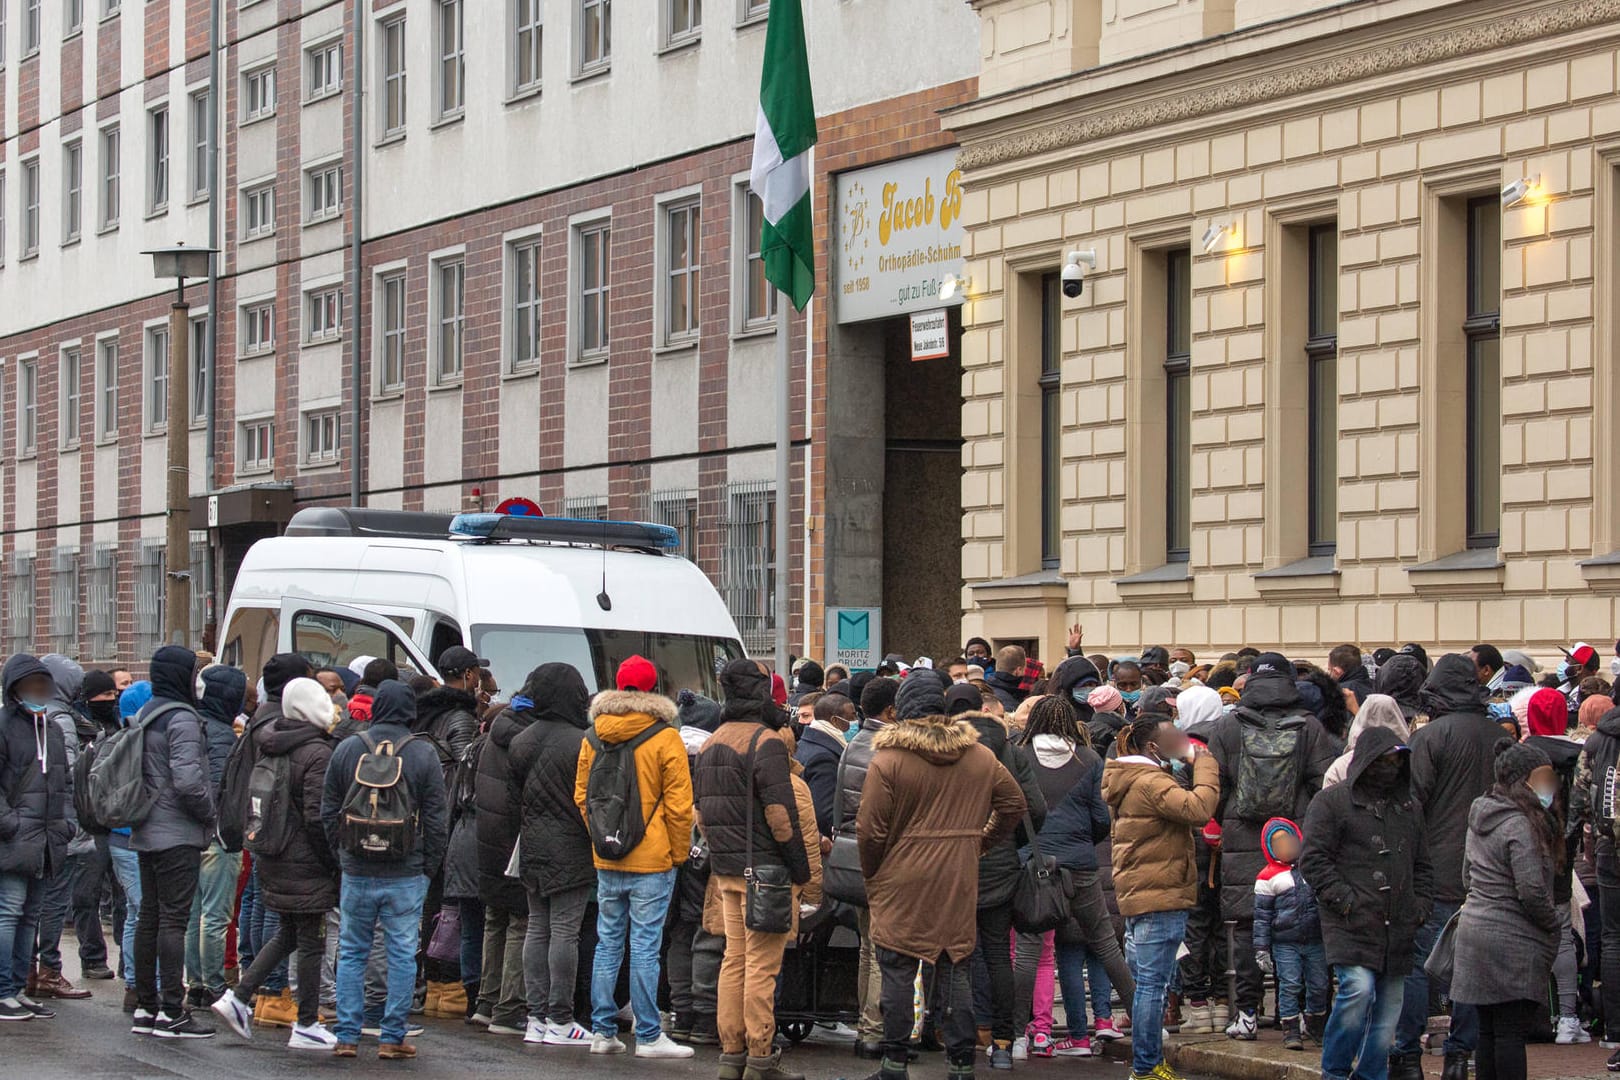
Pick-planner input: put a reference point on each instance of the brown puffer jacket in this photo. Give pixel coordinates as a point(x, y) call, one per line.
point(1155, 861)
point(934, 800)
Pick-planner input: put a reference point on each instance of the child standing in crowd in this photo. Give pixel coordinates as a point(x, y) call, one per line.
point(1288, 933)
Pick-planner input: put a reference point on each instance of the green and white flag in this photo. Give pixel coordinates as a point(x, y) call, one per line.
point(783, 135)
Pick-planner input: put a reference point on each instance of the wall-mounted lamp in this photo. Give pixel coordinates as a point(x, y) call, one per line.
point(1213, 234)
point(950, 285)
point(1518, 191)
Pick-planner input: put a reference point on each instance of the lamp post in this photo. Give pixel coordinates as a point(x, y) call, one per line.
point(179, 262)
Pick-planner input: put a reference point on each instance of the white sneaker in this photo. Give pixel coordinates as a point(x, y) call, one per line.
point(313, 1037)
point(237, 1016)
point(1243, 1027)
point(661, 1047)
point(832, 1033)
point(505, 1029)
point(534, 1032)
point(569, 1034)
point(1020, 1049)
point(1570, 1031)
point(607, 1044)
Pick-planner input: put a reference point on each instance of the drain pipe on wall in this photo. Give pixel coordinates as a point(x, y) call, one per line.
point(210, 362)
point(356, 266)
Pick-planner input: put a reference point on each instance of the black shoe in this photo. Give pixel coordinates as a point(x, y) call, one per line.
point(680, 1027)
point(705, 1031)
point(1614, 1061)
point(869, 1051)
point(40, 1012)
point(1406, 1067)
point(99, 972)
point(928, 1041)
point(1456, 1067)
point(197, 998)
point(184, 1026)
point(1293, 1040)
point(15, 1011)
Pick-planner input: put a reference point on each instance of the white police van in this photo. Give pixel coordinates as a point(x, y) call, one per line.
point(519, 591)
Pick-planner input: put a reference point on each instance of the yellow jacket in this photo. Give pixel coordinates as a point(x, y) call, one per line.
point(662, 774)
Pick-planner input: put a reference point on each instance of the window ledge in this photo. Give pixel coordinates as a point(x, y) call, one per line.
point(324, 95)
point(389, 139)
point(523, 94)
point(448, 120)
point(444, 386)
point(527, 371)
point(317, 343)
point(110, 227)
point(157, 212)
point(590, 74)
point(389, 397)
point(1173, 580)
point(71, 242)
point(671, 348)
point(256, 354)
point(324, 219)
point(255, 470)
point(199, 198)
point(681, 44)
point(1477, 570)
point(257, 237)
point(28, 256)
point(319, 466)
point(593, 360)
point(70, 447)
point(755, 332)
point(28, 455)
point(259, 119)
point(1044, 587)
point(1602, 571)
point(1316, 575)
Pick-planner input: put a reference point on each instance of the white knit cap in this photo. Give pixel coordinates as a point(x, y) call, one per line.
point(307, 700)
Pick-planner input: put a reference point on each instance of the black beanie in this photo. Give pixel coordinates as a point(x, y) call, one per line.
point(282, 669)
point(96, 683)
point(1516, 761)
point(920, 697)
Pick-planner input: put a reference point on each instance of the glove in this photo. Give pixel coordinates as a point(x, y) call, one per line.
point(1262, 959)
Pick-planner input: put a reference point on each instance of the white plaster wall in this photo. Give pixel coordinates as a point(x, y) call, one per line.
point(386, 457)
point(441, 458)
point(519, 446)
point(585, 412)
point(675, 404)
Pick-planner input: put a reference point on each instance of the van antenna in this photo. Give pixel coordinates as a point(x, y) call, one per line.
point(603, 600)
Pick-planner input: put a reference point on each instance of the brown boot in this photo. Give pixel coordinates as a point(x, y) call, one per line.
point(1172, 1012)
point(53, 984)
point(769, 1068)
point(396, 1051)
point(345, 1050)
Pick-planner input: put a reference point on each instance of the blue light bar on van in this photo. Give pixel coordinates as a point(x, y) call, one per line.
point(633, 534)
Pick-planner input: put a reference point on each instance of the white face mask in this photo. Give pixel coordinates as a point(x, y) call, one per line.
point(201, 687)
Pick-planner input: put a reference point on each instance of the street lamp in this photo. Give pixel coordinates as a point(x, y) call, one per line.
point(179, 262)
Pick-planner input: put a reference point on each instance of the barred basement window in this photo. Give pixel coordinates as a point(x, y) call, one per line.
point(64, 637)
point(101, 602)
point(199, 582)
point(586, 507)
point(149, 584)
point(748, 563)
point(678, 510)
point(19, 631)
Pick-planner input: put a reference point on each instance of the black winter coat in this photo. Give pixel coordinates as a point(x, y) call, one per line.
point(998, 867)
point(1453, 763)
point(820, 754)
point(1359, 683)
point(224, 689)
point(1367, 857)
point(1565, 755)
point(1103, 729)
point(34, 804)
point(1077, 824)
point(450, 716)
point(1008, 689)
point(857, 760)
point(497, 817)
point(554, 846)
point(303, 879)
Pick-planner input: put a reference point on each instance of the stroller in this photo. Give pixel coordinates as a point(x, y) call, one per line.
point(820, 974)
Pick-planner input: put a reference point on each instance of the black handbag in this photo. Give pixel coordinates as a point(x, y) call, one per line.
point(769, 903)
point(1041, 900)
point(841, 876)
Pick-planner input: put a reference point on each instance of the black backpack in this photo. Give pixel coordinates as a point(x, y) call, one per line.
point(271, 817)
point(114, 788)
point(81, 788)
point(613, 795)
point(1268, 767)
point(234, 783)
point(379, 819)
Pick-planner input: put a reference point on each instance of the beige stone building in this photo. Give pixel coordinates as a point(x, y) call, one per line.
point(1346, 366)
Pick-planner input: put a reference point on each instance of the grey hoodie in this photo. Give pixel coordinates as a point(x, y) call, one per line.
point(69, 677)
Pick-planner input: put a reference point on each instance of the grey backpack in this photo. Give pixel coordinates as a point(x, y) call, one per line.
point(117, 793)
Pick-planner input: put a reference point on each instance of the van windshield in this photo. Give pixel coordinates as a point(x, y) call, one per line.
point(684, 661)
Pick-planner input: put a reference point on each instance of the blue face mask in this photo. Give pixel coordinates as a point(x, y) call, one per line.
point(851, 732)
point(1178, 766)
point(1546, 798)
point(33, 706)
point(1130, 696)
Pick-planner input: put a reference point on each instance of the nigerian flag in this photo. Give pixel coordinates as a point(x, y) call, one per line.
point(783, 135)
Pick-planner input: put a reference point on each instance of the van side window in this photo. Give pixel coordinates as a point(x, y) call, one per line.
point(445, 634)
point(333, 641)
point(250, 639)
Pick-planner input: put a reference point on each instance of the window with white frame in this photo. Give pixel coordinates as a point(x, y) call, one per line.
point(525, 304)
point(73, 20)
point(2, 35)
point(526, 43)
point(595, 35)
point(393, 76)
point(323, 192)
point(683, 21)
point(30, 208)
point(201, 174)
point(258, 328)
point(755, 299)
point(391, 328)
point(157, 378)
point(750, 10)
point(450, 313)
point(197, 359)
point(258, 446)
point(27, 406)
point(259, 93)
point(450, 91)
point(30, 27)
point(323, 314)
point(109, 8)
point(680, 223)
point(321, 437)
point(106, 389)
point(591, 297)
point(70, 394)
point(157, 159)
point(748, 562)
point(111, 166)
point(323, 64)
point(259, 210)
point(72, 190)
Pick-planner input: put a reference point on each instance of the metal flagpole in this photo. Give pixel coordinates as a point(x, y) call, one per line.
point(784, 387)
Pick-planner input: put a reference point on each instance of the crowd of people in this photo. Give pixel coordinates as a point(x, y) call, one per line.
point(1375, 855)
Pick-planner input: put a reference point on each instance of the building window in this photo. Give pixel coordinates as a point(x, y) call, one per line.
point(1483, 331)
point(452, 69)
point(258, 328)
point(323, 192)
point(527, 38)
point(592, 242)
point(64, 636)
point(27, 407)
point(595, 35)
point(1178, 405)
point(758, 300)
point(101, 602)
point(525, 305)
point(111, 164)
point(157, 378)
point(748, 563)
point(259, 211)
point(74, 20)
point(681, 271)
point(1051, 384)
point(197, 356)
point(321, 437)
point(323, 319)
point(1322, 358)
point(70, 394)
point(72, 191)
point(107, 390)
point(201, 174)
point(149, 591)
point(2, 210)
point(19, 602)
point(324, 63)
point(751, 10)
point(109, 8)
point(258, 94)
point(393, 76)
point(30, 27)
point(30, 208)
point(157, 160)
point(258, 446)
point(391, 368)
point(2, 35)
point(677, 509)
point(683, 21)
point(449, 295)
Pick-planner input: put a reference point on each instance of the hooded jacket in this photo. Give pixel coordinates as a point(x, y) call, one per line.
point(1154, 858)
point(1072, 680)
point(1366, 856)
point(1009, 689)
point(1079, 821)
point(1401, 677)
point(663, 776)
point(1565, 755)
point(224, 690)
point(393, 712)
point(1453, 763)
point(174, 761)
point(998, 866)
point(1507, 935)
point(1359, 682)
point(497, 816)
point(933, 800)
point(450, 716)
point(1284, 902)
point(303, 879)
point(554, 849)
point(1379, 710)
point(35, 826)
point(63, 709)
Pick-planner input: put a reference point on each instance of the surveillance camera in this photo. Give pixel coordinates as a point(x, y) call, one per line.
point(1074, 271)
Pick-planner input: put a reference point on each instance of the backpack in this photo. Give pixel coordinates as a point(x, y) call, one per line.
point(271, 818)
point(613, 795)
point(115, 791)
point(461, 788)
point(1268, 767)
point(81, 788)
point(378, 819)
point(234, 782)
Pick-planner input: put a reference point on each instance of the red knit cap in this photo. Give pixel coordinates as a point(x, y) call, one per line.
point(637, 673)
point(1549, 713)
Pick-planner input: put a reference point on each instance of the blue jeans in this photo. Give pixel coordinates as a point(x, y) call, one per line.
point(635, 904)
point(1464, 1034)
point(20, 900)
point(1151, 944)
point(127, 868)
point(1361, 1027)
point(1074, 965)
point(210, 916)
point(1301, 972)
point(395, 905)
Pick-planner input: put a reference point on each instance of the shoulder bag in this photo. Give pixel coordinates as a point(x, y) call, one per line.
point(769, 906)
point(1041, 899)
point(841, 876)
